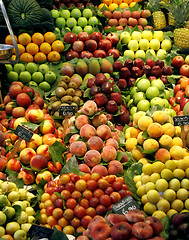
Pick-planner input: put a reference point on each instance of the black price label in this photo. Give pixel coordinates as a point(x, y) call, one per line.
point(181, 120)
point(67, 110)
point(40, 232)
point(126, 204)
point(23, 133)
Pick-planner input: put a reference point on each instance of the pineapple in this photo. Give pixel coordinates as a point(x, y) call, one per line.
point(158, 16)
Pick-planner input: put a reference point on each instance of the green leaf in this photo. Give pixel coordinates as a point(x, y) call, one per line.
point(173, 78)
point(84, 85)
point(150, 151)
point(71, 166)
point(31, 126)
point(73, 130)
point(40, 188)
point(122, 139)
point(57, 33)
point(56, 150)
point(120, 155)
point(166, 223)
point(39, 90)
point(58, 235)
point(14, 178)
point(145, 134)
point(87, 93)
point(110, 30)
point(154, 109)
point(58, 194)
point(18, 210)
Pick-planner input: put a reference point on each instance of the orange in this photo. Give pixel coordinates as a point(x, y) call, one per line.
point(102, 5)
point(8, 40)
point(53, 56)
point(13, 57)
point(132, 4)
point(58, 46)
point(107, 2)
point(113, 6)
point(124, 5)
point(40, 57)
point(26, 57)
point(38, 38)
point(117, 1)
point(24, 38)
point(49, 37)
point(32, 48)
point(45, 48)
point(127, 1)
point(7, 237)
point(21, 49)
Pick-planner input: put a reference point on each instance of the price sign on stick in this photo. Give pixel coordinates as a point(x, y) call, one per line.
point(183, 122)
point(40, 232)
point(22, 133)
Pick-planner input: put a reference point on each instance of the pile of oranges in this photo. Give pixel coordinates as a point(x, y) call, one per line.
point(113, 4)
point(38, 47)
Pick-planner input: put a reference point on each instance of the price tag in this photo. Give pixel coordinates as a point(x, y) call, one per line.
point(40, 232)
point(23, 133)
point(181, 120)
point(67, 110)
point(123, 206)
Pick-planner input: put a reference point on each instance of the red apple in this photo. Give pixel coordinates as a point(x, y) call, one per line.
point(70, 37)
point(97, 36)
point(83, 36)
point(184, 70)
point(71, 54)
point(113, 52)
point(90, 45)
point(113, 38)
point(105, 44)
point(178, 61)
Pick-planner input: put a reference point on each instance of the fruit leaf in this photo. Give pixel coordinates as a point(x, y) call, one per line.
point(57, 33)
point(120, 155)
point(122, 139)
point(136, 7)
point(87, 94)
point(145, 135)
point(18, 210)
point(71, 166)
point(67, 46)
point(168, 35)
point(122, 58)
point(166, 223)
point(56, 150)
point(150, 151)
point(58, 194)
point(58, 235)
point(110, 59)
point(40, 188)
point(84, 85)
point(110, 30)
point(133, 170)
point(13, 177)
point(119, 46)
point(31, 126)
point(149, 55)
point(115, 88)
point(39, 90)
point(154, 109)
point(173, 78)
point(73, 130)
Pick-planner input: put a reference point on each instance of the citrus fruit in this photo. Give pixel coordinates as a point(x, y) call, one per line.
point(58, 46)
point(49, 37)
point(40, 57)
point(26, 57)
point(24, 38)
point(21, 49)
point(32, 48)
point(113, 6)
point(53, 56)
point(38, 38)
point(8, 39)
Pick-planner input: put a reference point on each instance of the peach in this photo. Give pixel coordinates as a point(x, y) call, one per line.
point(103, 131)
point(19, 121)
point(35, 115)
point(9, 108)
point(108, 153)
point(99, 120)
point(155, 130)
point(121, 230)
point(150, 144)
point(2, 151)
point(92, 158)
point(81, 120)
point(14, 165)
point(124, 156)
point(27, 176)
point(90, 108)
point(46, 175)
point(137, 116)
point(177, 152)
point(144, 122)
point(44, 150)
point(112, 142)
point(78, 148)
point(2, 176)
point(134, 132)
point(47, 127)
point(26, 155)
point(95, 143)
point(3, 163)
point(114, 218)
point(84, 168)
point(38, 162)
point(130, 144)
point(48, 139)
point(115, 136)
point(138, 154)
point(22, 145)
point(177, 141)
point(18, 112)
point(162, 155)
point(166, 141)
point(100, 231)
point(102, 170)
point(34, 142)
point(47, 116)
point(168, 129)
point(54, 167)
point(87, 131)
point(142, 230)
point(160, 117)
point(115, 167)
point(74, 138)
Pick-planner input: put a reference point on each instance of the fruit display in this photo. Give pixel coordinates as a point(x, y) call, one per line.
point(114, 4)
point(58, 4)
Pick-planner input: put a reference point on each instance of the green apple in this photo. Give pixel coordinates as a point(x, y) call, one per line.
point(3, 200)
point(158, 35)
point(31, 67)
point(77, 29)
point(45, 86)
point(143, 84)
point(87, 13)
point(93, 21)
point(43, 68)
point(107, 75)
point(133, 91)
point(133, 110)
point(13, 196)
point(32, 83)
point(25, 77)
point(65, 13)
point(166, 103)
point(22, 218)
point(166, 44)
point(8, 67)
point(161, 54)
point(144, 44)
point(171, 113)
point(129, 53)
point(37, 77)
point(20, 235)
point(60, 22)
point(12, 76)
point(147, 34)
point(8, 187)
point(133, 45)
point(156, 101)
point(75, 13)
point(143, 105)
point(23, 193)
point(88, 29)
point(130, 102)
point(136, 35)
point(54, 13)
point(140, 54)
point(152, 92)
point(155, 44)
point(137, 97)
point(71, 22)
point(50, 77)
point(158, 83)
point(2, 231)
point(167, 94)
point(3, 218)
point(9, 211)
point(19, 67)
point(12, 227)
point(31, 219)
point(26, 226)
point(125, 37)
point(151, 51)
point(82, 21)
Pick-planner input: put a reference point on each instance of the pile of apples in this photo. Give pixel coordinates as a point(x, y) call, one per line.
point(75, 3)
point(133, 225)
point(139, 43)
point(79, 199)
point(16, 214)
point(91, 45)
point(127, 18)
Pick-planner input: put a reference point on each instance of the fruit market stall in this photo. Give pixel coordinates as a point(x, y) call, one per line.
point(94, 120)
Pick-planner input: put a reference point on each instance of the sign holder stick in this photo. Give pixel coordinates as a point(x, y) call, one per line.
point(65, 125)
point(15, 149)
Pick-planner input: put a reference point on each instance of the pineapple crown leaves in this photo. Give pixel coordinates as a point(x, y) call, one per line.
point(154, 5)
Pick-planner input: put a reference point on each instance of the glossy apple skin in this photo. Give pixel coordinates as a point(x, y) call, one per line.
point(184, 70)
point(178, 61)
